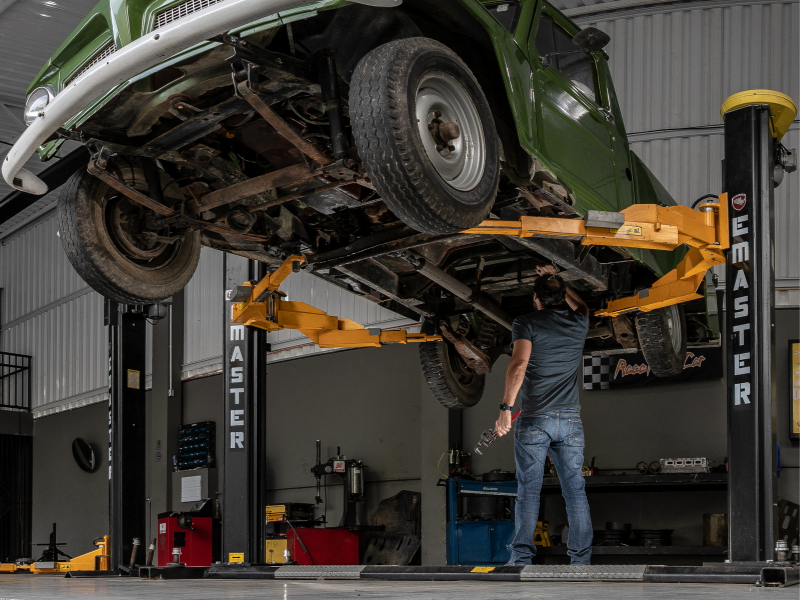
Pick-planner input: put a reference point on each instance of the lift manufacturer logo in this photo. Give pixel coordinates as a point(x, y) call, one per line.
point(236, 401)
point(740, 303)
point(739, 201)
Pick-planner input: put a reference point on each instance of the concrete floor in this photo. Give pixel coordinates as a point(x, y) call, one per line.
point(30, 587)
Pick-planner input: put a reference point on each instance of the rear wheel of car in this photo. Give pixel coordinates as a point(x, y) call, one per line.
point(107, 239)
point(662, 338)
point(425, 133)
point(451, 381)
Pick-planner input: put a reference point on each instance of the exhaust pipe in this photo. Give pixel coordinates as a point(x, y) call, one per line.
point(463, 291)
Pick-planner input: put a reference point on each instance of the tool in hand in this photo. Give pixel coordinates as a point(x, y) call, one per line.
point(489, 436)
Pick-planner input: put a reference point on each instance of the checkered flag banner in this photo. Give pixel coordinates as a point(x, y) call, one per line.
point(596, 372)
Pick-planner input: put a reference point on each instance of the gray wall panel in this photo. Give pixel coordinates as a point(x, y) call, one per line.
point(68, 344)
point(62, 493)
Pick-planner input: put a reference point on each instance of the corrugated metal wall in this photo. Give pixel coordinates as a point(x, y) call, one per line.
point(202, 338)
point(34, 271)
point(674, 64)
point(49, 313)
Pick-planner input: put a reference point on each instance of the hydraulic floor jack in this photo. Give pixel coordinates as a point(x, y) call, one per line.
point(51, 559)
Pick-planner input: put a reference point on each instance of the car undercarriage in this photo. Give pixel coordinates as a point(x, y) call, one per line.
point(253, 147)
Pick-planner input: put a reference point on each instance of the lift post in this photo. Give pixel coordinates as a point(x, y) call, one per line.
point(126, 429)
point(244, 455)
point(754, 123)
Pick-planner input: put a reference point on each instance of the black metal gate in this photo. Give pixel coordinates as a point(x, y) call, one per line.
point(15, 381)
point(16, 468)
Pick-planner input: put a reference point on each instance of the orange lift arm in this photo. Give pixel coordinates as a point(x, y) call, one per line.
point(263, 306)
point(638, 226)
point(644, 226)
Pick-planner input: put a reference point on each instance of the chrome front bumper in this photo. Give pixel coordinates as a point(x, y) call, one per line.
point(140, 55)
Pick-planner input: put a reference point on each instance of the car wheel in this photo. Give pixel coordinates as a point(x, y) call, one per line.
point(101, 232)
point(451, 381)
point(425, 133)
point(662, 338)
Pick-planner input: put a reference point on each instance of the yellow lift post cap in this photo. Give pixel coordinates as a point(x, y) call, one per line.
point(781, 107)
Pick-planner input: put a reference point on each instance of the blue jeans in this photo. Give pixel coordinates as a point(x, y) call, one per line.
point(561, 433)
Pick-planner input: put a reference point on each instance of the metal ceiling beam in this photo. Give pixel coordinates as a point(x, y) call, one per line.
point(13, 102)
point(4, 4)
point(583, 13)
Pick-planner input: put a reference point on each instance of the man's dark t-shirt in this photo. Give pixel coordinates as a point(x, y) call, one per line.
point(551, 378)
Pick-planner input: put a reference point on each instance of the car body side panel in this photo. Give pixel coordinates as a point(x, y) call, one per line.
point(514, 67)
point(573, 134)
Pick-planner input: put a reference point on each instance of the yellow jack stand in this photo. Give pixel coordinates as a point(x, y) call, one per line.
point(540, 536)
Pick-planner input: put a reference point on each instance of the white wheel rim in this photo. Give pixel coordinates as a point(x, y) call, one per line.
point(462, 168)
point(674, 327)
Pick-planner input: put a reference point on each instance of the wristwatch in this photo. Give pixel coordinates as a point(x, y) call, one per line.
point(505, 406)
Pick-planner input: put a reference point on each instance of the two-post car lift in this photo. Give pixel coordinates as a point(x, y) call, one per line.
point(741, 223)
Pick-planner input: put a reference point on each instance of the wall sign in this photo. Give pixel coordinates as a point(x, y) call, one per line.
point(614, 371)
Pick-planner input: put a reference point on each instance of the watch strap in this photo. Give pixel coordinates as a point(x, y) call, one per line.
point(504, 406)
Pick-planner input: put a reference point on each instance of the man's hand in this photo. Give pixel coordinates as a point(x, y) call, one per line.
point(503, 424)
point(546, 270)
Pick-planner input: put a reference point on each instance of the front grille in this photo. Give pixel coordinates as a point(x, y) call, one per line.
point(102, 55)
point(182, 10)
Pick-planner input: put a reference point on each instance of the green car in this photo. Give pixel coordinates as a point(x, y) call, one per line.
point(367, 136)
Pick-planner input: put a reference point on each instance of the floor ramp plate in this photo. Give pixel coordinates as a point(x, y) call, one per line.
point(582, 572)
point(323, 571)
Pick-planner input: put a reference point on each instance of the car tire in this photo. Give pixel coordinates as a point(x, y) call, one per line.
point(97, 230)
point(396, 93)
point(452, 383)
point(662, 338)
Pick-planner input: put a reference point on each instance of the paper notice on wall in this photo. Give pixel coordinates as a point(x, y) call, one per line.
point(190, 489)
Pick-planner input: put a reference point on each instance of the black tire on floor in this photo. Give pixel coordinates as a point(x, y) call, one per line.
point(394, 90)
point(662, 338)
point(453, 384)
point(97, 226)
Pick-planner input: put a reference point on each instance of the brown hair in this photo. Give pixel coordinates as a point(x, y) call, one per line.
point(550, 290)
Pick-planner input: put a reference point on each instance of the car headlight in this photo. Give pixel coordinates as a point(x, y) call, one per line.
point(37, 102)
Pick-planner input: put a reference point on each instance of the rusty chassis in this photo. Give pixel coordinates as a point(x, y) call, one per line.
point(395, 266)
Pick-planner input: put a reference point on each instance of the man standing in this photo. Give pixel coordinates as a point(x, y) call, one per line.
point(548, 345)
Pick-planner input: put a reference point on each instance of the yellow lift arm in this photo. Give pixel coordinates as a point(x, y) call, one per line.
point(645, 226)
point(263, 306)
